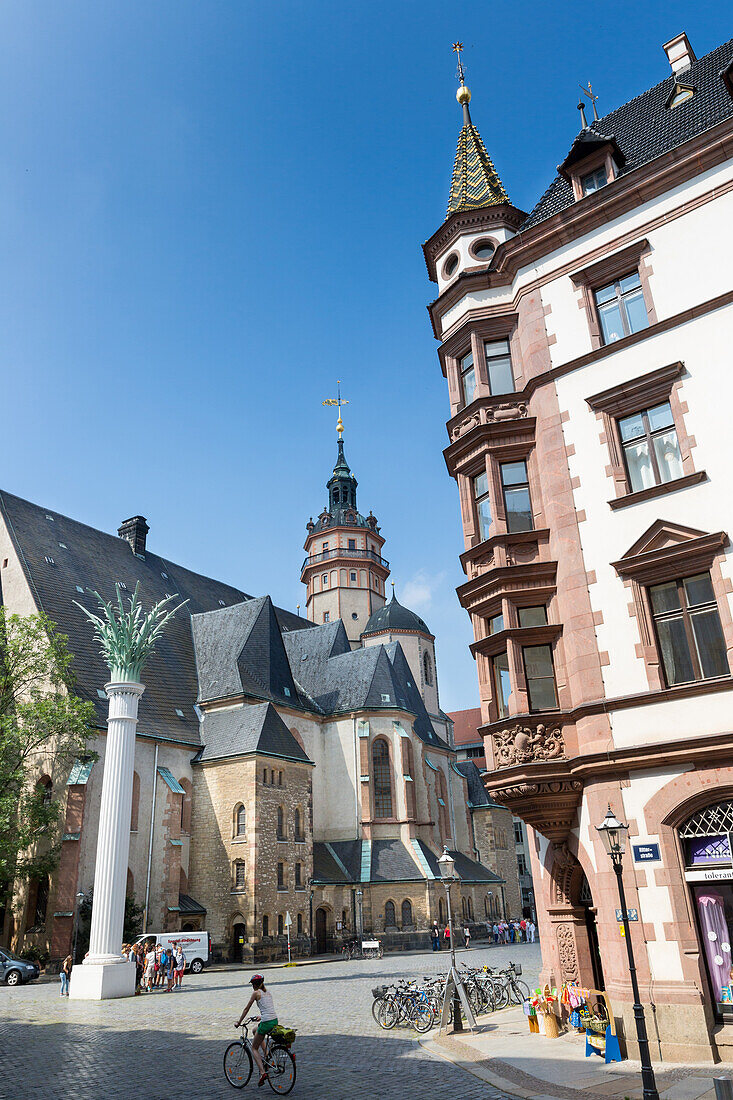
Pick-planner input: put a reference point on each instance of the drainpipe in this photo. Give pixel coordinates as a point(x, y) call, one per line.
point(150, 845)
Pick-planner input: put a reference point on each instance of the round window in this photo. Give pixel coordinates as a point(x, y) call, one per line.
point(451, 265)
point(483, 250)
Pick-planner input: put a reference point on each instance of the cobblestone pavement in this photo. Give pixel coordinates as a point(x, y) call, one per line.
point(170, 1047)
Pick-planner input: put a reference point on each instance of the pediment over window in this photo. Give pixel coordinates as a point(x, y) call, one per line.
point(669, 549)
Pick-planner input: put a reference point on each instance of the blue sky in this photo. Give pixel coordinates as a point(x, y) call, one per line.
point(211, 211)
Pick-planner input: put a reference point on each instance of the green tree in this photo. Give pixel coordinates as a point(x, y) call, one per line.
point(44, 727)
point(131, 929)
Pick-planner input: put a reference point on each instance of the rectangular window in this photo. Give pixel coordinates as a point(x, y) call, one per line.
point(499, 366)
point(521, 864)
point(502, 685)
point(483, 505)
point(352, 578)
point(594, 181)
point(540, 677)
point(621, 308)
point(518, 836)
point(326, 616)
point(352, 544)
point(324, 580)
point(515, 486)
point(650, 446)
point(468, 378)
point(533, 616)
point(324, 547)
point(298, 876)
point(691, 642)
point(240, 878)
point(281, 876)
point(496, 623)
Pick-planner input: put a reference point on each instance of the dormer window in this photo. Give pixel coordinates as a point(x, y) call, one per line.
point(680, 94)
point(594, 180)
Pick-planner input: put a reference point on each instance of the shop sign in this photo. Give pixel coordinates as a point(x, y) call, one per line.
point(646, 853)
point(631, 914)
point(709, 874)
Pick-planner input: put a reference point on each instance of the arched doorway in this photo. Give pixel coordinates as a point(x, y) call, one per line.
point(585, 900)
point(238, 941)
point(321, 920)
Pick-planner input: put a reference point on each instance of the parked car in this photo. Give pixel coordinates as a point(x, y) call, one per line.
point(196, 946)
point(14, 970)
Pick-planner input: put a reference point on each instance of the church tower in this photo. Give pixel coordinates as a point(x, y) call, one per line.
point(344, 571)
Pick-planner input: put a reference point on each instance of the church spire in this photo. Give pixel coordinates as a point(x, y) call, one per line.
point(475, 183)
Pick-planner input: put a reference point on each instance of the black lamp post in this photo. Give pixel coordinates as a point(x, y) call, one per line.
point(613, 834)
point(449, 875)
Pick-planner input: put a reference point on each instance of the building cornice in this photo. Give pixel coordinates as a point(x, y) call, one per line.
point(469, 221)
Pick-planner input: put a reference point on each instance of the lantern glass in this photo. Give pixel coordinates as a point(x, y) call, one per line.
point(613, 834)
point(447, 866)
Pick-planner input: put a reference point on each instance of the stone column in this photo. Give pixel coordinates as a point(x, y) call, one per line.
point(105, 973)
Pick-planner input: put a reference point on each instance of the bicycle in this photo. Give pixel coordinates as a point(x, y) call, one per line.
point(278, 1060)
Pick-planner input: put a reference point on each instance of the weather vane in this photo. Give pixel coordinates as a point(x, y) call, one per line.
point(338, 402)
point(457, 48)
point(589, 92)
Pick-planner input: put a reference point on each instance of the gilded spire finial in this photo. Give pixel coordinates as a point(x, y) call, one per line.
point(463, 95)
point(338, 402)
point(475, 183)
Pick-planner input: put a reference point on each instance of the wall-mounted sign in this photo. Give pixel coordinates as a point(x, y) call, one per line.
point(646, 853)
point(709, 874)
point(632, 914)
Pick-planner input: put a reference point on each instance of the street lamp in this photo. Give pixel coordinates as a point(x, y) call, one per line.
point(613, 834)
point(449, 875)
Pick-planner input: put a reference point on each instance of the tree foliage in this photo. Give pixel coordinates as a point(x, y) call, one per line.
point(44, 727)
point(132, 927)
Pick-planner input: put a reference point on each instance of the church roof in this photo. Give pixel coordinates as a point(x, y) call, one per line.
point(468, 869)
point(240, 731)
point(342, 862)
point(66, 561)
point(475, 183)
point(477, 795)
point(394, 617)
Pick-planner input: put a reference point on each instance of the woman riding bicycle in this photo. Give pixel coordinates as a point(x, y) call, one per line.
point(268, 1020)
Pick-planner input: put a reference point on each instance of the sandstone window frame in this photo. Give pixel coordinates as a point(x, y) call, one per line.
point(281, 827)
point(298, 830)
point(633, 396)
point(239, 876)
point(406, 914)
point(390, 914)
point(471, 340)
point(587, 280)
point(282, 876)
point(239, 822)
point(666, 552)
point(380, 769)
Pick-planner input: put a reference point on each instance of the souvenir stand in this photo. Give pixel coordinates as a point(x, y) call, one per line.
point(591, 1012)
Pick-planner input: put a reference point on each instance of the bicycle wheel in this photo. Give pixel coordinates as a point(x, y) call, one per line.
point(237, 1065)
point(520, 992)
point(501, 995)
point(375, 1008)
point(422, 1019)
point(281, 1070)
point(345, 954)
point(388, 1014)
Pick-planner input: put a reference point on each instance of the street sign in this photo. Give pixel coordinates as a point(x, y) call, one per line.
point(631, 914)
point(646, 853)
point(288, 920)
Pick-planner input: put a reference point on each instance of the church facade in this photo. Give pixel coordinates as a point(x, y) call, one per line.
point(586, 351)
point(285, 767)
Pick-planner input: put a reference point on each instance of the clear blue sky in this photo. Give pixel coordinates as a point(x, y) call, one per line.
point(210, 211)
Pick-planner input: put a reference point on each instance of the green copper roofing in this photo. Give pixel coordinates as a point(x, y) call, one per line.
point(475, 183)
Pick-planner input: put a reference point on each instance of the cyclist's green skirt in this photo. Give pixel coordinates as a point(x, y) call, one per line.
point(264, 1027)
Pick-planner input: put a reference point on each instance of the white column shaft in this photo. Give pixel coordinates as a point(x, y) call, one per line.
point(113, 838)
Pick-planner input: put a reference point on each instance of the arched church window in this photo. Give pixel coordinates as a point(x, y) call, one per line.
point(381, 772)
point(241, 822)
point(298, 824)
point(407, 913)
point(441, 912)
point(427, 668)
point(390, 918)
point(280, 823)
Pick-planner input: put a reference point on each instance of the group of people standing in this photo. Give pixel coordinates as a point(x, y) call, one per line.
point(158, 967)
point(514, 931)
point(436, 935)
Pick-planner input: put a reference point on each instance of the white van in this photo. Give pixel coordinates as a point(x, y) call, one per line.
point(196, 946)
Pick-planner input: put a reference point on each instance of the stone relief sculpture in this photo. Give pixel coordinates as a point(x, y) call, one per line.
point(522, 744)
point(568, 956)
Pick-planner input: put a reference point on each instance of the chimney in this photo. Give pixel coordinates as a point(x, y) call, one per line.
point(135, 532)
point(680, 53)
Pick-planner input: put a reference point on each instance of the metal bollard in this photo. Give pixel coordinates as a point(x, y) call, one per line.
point(723, 1088)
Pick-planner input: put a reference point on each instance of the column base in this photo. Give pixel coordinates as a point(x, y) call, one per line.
point(102, 981)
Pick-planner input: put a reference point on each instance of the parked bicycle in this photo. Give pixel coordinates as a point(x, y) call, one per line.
point(277, 1058)
point(362, 949)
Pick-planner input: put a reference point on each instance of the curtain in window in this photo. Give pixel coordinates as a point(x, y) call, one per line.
point(716, 939)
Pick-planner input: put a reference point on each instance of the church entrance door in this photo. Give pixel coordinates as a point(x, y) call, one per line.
point(238, 937)
point(320, 931)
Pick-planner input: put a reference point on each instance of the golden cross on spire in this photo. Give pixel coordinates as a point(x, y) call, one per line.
point(457, 48)
point(338, 402)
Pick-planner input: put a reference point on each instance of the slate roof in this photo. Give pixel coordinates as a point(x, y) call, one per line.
point(340, 862)
point(393, 616)
point(93, 560)
point(468, 869)
point(477, 796)
point(241, 730)
point(475, 183)
point(645, 128)
point(189, 907)
point(391, 862)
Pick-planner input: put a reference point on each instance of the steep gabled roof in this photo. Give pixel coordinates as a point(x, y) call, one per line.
point(83, 558)
point(246, 729)
point(645, 128)
point(468, 869)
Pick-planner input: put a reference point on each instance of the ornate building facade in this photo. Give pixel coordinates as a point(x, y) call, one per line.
point(283, 765)
point(585, 347)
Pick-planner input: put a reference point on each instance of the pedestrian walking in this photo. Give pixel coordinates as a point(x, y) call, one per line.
point(531, 930)
point(149, 970)
point(467, 937)
point(180, 965)
point(495, 932)
point(446, 935)
point(65, 976)
point(170, 972)
point(435, 936)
